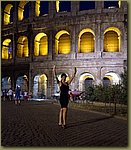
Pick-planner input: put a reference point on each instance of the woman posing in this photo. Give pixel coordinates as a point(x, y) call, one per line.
point(64, 96)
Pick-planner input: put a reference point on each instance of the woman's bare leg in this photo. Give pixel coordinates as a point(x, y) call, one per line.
point(60, 116)
point(64, 116)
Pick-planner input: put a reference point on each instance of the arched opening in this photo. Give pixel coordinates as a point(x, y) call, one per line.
point(111, 78)
point(40, 86)
point(41, 45)
point(7, 49)
point(86, 41)
point(22, 47)
point(8, 14)
point(22, 82)
point(106, 81)
point(88, 82)
point(62, 42)
point(23, 10)
point(6, 83)
point(85, 81)
point(86, 5)
point(112, 40)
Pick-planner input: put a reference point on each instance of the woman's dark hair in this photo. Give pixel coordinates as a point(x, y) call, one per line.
point(63, 74)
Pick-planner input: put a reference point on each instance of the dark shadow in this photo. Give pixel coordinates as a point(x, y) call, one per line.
point(87, 121)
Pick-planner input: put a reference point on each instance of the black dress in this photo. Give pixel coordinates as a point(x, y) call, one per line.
point(64, 96)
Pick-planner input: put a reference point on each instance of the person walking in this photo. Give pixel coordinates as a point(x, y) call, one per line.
point(10, 94)
point(17, 95)
point(64, 96)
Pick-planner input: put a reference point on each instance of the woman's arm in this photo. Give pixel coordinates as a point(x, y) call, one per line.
point(54, 72)
point(72, 76)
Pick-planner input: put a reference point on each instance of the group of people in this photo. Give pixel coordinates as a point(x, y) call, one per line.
point(7, 94)
point(17, 95)
point(64, 96)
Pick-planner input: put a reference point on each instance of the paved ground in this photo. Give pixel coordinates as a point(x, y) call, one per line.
point(35, 124)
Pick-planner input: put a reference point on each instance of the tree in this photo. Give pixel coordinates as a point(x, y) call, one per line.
point(124, 90)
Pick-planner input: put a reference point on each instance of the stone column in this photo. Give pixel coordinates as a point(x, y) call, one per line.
point(53, 44)
point(13, 81)
point(98, 37)
point(98, 76)
point(74, 7)
point(32, 10)
point(98, 6)
point(73, 41)
point(49, 84)
point(52, 8)
point(30, 41)
point(124, 5)
point(98, 40)
point(15, 35)
point(50, 44)
point(30, 81)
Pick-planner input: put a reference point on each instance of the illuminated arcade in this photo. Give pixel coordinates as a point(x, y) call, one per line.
point(88, 35)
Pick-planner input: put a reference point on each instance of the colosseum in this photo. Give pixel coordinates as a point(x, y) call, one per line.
point(36, 35)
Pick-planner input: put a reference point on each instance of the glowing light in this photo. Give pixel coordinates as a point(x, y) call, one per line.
point(41, 44)
point(37, 8)
point(62, 42)
point(5, 48)
point(22, 47)
point(86, 41)
point(57, 5)
point(21, 10)
point(112, 39)
point(115, 78)
point(82, 79)
point(7, 14)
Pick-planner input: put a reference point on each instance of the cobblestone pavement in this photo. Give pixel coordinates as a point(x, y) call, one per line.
point(35, 124)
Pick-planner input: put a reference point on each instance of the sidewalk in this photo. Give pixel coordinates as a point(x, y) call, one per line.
point(35, 124)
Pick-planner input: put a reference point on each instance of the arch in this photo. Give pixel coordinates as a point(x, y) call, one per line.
point(41, 44)
point(22, 82)
point(40, 86)
point(7, 14)
point(86, 79)
point(21, 10)
point(113, 77)
point(7, 49)
point(62, 42)
point(112, 39)
point(22, 47)
point(86, 41)
point(6, 83)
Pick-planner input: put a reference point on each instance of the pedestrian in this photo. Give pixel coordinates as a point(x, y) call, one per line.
point(4, 95)
point(25, 96)
point(10, 94)
point(64, 96)
point(17, 95)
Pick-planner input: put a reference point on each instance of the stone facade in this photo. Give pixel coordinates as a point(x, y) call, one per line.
point(97, 63)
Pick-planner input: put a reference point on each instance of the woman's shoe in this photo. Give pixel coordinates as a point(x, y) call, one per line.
point(59, 124)
point(63, 126)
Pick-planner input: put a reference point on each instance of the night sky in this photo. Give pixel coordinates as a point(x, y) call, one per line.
point(64, 6)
